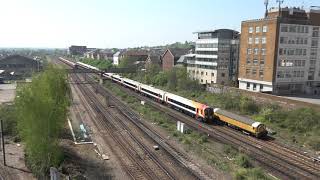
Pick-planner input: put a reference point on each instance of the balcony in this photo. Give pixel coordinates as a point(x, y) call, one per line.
point(206, 56)
point(191, 61)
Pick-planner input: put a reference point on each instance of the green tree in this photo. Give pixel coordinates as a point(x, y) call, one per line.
point(160, 79)
point(41, 109)
point(172, 79)
point(127, 62)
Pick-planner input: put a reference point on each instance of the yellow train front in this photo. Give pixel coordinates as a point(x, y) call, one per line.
point(248, 125)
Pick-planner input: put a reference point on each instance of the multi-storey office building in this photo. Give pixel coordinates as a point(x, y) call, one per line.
point(216, 57)
point(280, 53)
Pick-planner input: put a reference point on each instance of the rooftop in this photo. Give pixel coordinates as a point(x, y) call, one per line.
point(213, 31)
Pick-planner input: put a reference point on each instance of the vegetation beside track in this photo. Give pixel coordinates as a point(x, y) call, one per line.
point(41, 111)
point(101, 64)
point(214, 154)
point(301, 126)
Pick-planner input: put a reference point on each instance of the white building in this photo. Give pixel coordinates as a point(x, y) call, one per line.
point(216, 57)
point(116, 57)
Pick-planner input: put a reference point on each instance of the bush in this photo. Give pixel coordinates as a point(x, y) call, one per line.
point(243, 161)
point(241, 174)
point(314, 142)
point(248, 106)
point(230, 151)
point(257, 173)
point(251, 174)
point(203, 139)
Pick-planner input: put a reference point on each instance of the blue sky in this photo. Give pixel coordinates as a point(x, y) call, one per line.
point(121, 23)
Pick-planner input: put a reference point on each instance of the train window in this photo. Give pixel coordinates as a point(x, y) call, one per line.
point(155, 94)
point(181, 104)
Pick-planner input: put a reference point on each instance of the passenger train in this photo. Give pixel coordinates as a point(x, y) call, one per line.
point(197, 110)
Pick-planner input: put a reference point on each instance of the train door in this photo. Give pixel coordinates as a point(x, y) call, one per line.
point(197, 112)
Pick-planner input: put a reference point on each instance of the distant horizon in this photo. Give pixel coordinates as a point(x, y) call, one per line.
point(123, 23)
point(84, 45)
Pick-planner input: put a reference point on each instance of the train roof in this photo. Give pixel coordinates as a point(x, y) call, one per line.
point(185, 100)
point(89, 66)
point(152, 88)
point(130, 80)
point(116, 76)
point(242, 119)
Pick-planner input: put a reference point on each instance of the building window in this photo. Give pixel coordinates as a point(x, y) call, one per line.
point(248, 61)
point(212, 74)
point(261, 86)
point(261, 73)
point(250, 29)
point(254, 72)
point(248, 85)
point(280, 51)
point(250, 40)
point(293, 28)
point(280, 74)
point(255, 61)
point(249, 51)
point(315, 34)
point(264, 29)
point(284, 29)
point(222, 74)
point(283, 40)
point(201, 80)
point(256, 51)
point(247, 72)
point(263, 40)
point(263, 51)
point(256, 40)
point(261, 61)
point(314, 43)
point(257, 29)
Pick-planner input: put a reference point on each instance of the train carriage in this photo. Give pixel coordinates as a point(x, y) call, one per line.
point(150, 91)
point(107, 75)
point(70, 63)
point(131, 84)
point(117, 78)
point(200, 111)
point(87, 66)
point(240, 122)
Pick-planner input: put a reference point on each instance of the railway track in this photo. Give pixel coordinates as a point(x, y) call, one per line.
point(281, 161)
point(284, 162)
point(135, 163)
point(134, 118)
point(148, 166)
point(284, 153)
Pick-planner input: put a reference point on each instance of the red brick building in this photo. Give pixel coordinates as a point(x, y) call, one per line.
point(171, 56)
